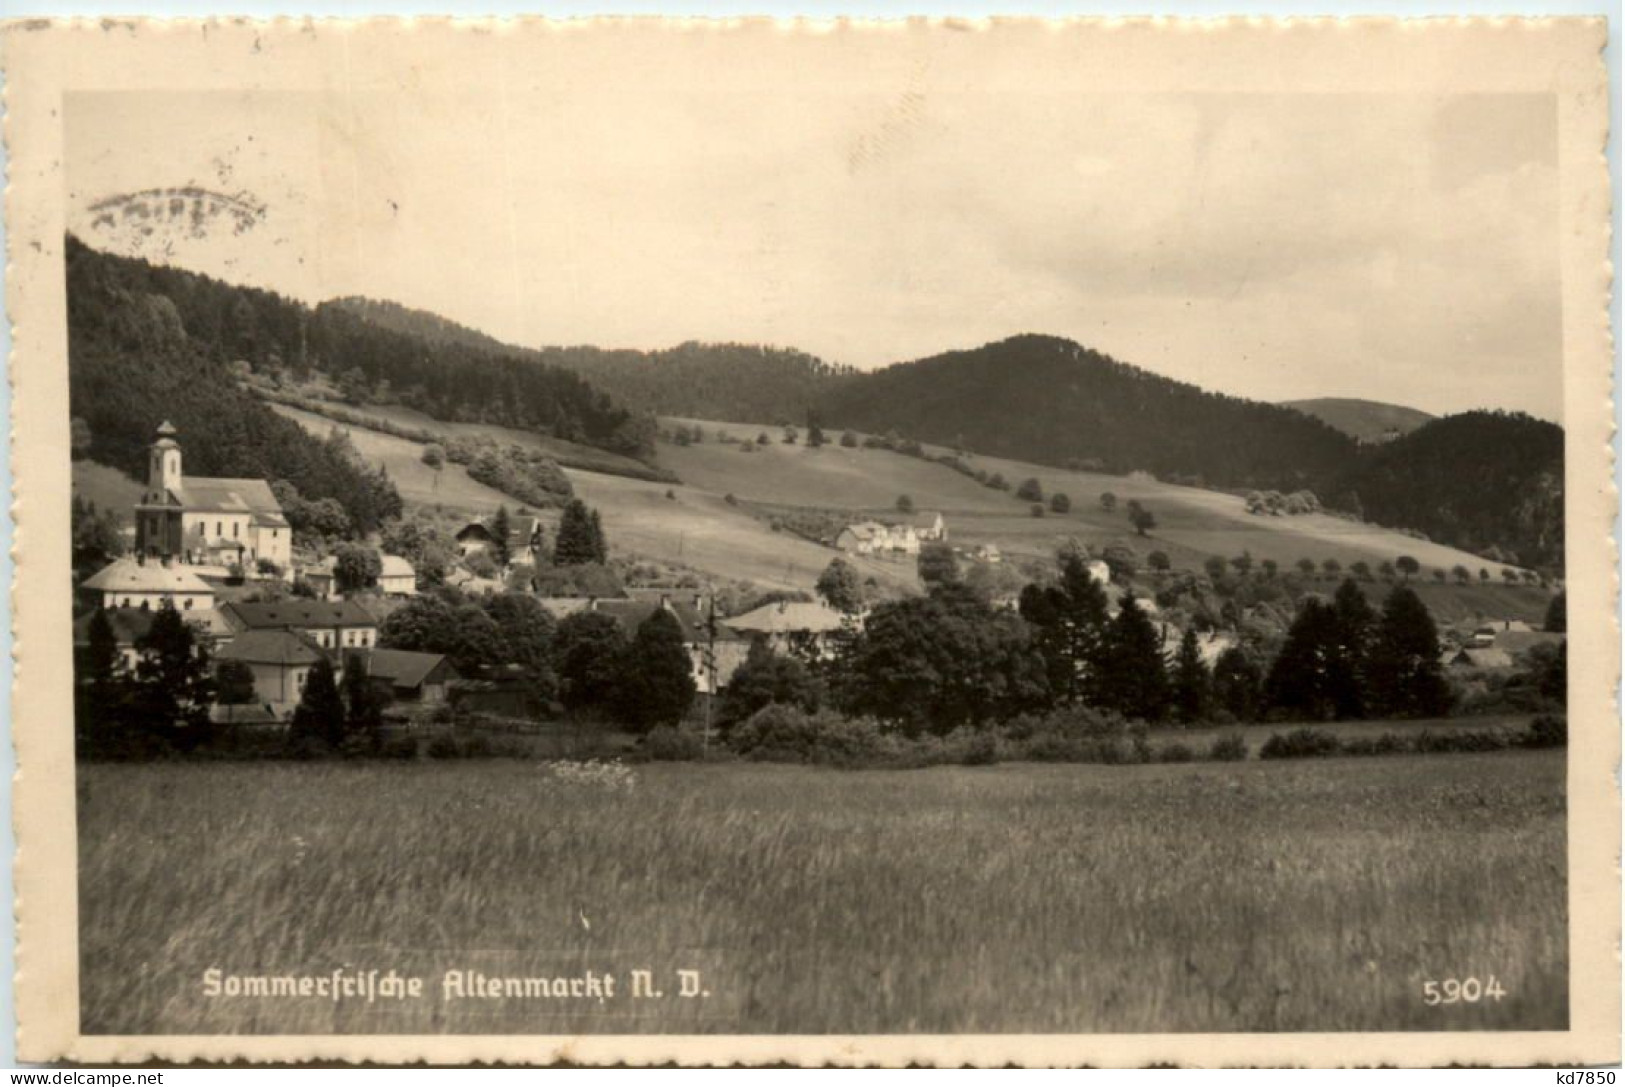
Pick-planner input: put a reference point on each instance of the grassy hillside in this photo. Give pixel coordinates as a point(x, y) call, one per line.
point(109, 488)
point(695, 527)
point(417, 482)
point(1192, 523)
point(1364, 420)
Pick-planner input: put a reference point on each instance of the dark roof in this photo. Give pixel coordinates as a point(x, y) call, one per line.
point(521, 527)
point(631, 614)
point(271, 647)
point(300, 613)
point(403, 668)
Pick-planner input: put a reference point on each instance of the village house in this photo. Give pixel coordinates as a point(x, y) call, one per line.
point(928, 526)
point(338, 625)
point(280, 660)
point(809, 630)
point(704, 638)
point(227, 525)
point(525, 539)
point(320, 579)
point(418, 678)
point(137, 583)
point(398, 577)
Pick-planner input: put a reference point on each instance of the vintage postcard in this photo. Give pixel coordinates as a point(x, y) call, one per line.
point(837, 543)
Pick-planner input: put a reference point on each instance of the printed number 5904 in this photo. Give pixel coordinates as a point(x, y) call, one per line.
point(1461, 991)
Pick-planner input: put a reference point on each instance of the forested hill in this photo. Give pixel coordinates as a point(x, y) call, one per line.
point(134, 360)
point(444, 379)
point(729, 382)
point(1045, 399)
point(1487, 482)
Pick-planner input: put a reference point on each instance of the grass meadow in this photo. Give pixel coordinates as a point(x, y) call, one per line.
point(1013, 898)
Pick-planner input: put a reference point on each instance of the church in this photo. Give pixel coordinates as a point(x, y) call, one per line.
point(208, 522)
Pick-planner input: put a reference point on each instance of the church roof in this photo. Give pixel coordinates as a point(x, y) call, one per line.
point(227, 495)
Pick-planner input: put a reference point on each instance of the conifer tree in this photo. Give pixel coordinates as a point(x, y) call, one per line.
point(575, 544)
point(1071, 621)
point(600, 545)
point(319, 719)
point(1407, 677)
point(1237, 683)
point(1347, 666)
point(1190, 680)
point(100, 687)
point(501, 528)
point(1301, 681)
point(175, 680)
point(1134, 681)
point(363, 707)
point(656, 684)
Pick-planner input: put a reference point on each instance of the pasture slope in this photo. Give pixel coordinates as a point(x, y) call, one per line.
point(697, 527)
point(1255, 896)
point(1192, 523)
point(693, 527)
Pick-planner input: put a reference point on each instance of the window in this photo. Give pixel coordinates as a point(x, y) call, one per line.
point(188, 604)
point(236, 527)
point(219, 529)
point(201, 528)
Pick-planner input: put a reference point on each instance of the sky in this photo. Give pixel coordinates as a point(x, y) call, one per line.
point(1392, 247)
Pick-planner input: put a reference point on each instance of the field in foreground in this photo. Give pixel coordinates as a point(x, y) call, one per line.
point(1015, 898)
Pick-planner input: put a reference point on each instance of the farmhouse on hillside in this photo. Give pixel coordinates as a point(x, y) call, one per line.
point(905, 536)
point(200, 521)
point(525, 542)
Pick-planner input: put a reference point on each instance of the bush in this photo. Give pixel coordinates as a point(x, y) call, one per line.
point(1389, 743)
point(1548, 730)
point(1302, 743)
point(778, 733)
point(964, 746)
point(667, 744)
point(1231, 747)
point(1175, 752)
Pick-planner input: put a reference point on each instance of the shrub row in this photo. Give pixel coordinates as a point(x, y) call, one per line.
point(1546, 730)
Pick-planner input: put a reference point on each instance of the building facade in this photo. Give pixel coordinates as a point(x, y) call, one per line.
point(204, 521)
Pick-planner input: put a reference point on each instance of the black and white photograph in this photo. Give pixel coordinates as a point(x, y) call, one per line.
point(732, 531)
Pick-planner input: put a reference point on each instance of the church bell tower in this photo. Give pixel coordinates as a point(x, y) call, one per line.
point(164, 463)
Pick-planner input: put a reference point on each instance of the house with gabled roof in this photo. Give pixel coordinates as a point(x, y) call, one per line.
point(407, 676)
point(329, 624)
point(137, 583)
point(280, 660)
point(213, 522)
point(807, 629)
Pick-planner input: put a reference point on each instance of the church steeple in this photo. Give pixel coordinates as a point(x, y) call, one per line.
point(164, 462)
